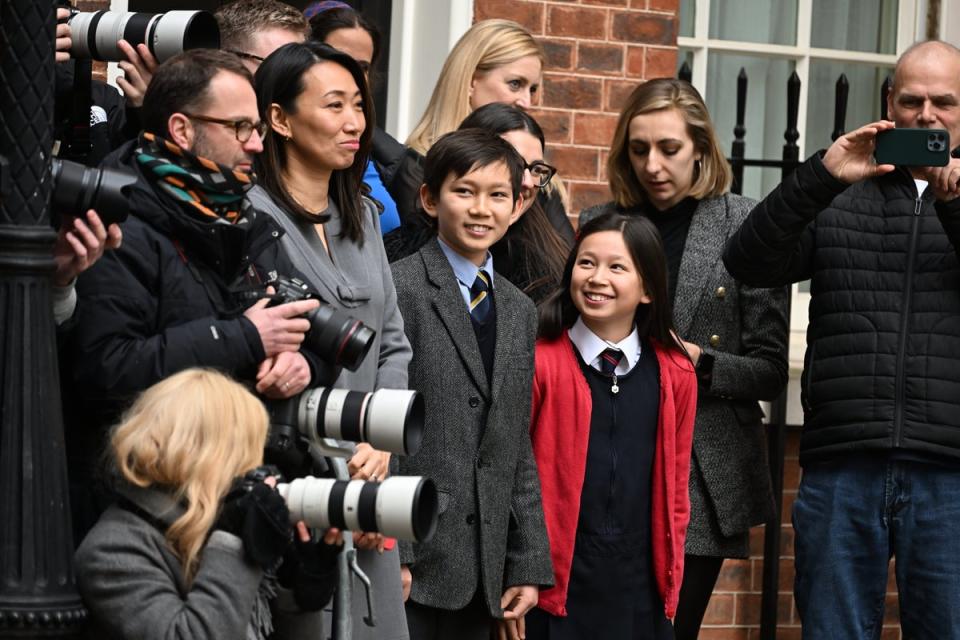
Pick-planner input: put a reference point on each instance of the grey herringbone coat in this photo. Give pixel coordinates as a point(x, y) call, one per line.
point(745, 329)
point(476, 442)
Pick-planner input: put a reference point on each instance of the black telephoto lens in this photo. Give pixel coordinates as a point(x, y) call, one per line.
point(77, 188)
point(338, 337)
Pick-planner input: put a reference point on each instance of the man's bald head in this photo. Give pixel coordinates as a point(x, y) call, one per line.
point(926, 89)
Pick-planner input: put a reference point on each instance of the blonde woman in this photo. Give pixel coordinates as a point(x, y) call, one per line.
point(180, 554)
point(665, 163)
point(494, 61)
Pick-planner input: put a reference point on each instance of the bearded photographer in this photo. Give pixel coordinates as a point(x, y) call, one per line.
point(167, 299)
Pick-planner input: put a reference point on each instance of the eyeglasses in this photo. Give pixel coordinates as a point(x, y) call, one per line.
point(242, 128)
point(244, 54)
point(541, 172)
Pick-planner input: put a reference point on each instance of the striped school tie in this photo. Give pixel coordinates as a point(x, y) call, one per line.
point(480, 300)
point(609, 360)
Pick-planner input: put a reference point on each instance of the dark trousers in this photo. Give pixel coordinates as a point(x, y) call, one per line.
point(850, 517)
point(473, 622)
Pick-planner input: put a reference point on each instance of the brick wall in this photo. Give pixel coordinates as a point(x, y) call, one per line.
point(597, 51)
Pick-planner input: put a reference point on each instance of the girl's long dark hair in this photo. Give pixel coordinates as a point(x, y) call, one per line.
point(280, 80)
point(654, 320)
point(535, 246)
point(326, 22)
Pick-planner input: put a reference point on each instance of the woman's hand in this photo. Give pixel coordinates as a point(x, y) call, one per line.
point(850, 158)
point(368, 464)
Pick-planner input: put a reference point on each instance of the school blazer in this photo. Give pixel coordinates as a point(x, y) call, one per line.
point(476, 442)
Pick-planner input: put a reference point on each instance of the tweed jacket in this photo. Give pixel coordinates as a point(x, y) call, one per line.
point(745, 330)
point(476, 442)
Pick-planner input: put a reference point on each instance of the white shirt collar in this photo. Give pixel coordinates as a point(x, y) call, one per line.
point(590, 346)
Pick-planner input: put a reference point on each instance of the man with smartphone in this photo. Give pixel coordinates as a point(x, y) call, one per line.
point(880, 449)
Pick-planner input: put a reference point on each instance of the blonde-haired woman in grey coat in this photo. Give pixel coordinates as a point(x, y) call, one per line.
point(665, 163)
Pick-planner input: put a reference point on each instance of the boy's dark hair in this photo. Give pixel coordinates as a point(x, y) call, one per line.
point(459, 152)
point(182, 84)
point(654, 320)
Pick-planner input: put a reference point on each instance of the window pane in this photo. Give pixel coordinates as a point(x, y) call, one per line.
point(855, 25)
point(863, 100)
point(766, 114)
point(754, 21)
point(688, 15)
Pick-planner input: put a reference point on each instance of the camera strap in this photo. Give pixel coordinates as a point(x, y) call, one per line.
point(214, 295)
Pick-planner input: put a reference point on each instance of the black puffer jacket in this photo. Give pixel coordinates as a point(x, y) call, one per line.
point(161, 303)
point(882, 369)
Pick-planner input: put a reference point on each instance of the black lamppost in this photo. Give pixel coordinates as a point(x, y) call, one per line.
point(38, 596)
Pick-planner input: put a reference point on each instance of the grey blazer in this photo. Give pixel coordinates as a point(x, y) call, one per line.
point(476, 443)
point(133, 586)
point(745, 330)
point(358, 280)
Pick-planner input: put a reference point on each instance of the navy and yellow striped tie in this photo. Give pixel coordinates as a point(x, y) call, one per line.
point(480, 300)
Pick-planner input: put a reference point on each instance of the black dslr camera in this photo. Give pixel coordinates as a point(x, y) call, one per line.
point(341, 340)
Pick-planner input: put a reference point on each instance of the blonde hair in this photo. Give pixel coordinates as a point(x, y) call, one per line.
point(191, 435)
point(714, 175)
point(485, 46)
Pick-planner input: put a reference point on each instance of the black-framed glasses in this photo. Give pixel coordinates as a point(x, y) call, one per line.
point(242, 128)
point(541, 172)
point(245, 55)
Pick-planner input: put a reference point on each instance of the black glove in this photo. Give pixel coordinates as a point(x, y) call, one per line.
point(258, 515)
point(309, 569)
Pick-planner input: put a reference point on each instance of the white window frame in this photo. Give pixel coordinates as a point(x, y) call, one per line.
point(909, 22)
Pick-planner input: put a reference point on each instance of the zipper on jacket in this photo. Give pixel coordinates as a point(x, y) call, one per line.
point(613, 455)
point(900, 379)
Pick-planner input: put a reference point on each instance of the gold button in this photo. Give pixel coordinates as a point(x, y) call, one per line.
point(721, 292)
point(714, 341)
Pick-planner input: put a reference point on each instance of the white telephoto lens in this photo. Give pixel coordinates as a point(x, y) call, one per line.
point(387, 420)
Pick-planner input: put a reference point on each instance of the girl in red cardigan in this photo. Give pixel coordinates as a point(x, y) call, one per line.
point(614, 396)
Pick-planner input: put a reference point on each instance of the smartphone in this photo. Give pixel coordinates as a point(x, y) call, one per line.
point(913, 147)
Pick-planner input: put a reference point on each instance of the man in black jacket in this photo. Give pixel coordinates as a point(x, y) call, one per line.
point(167, 299)
point(880, 448)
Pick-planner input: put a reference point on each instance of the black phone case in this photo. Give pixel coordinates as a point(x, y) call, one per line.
point(913, 147)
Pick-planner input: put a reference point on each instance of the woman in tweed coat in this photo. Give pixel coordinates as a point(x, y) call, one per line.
point(665, 163)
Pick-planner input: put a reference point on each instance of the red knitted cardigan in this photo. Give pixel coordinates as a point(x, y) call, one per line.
point(560, 432)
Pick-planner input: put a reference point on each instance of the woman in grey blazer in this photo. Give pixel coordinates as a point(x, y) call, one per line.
point(316, 103)
point(665, 163)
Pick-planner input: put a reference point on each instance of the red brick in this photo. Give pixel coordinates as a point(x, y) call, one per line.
point(571, 92)
point(577, 22)
point(787, 511)
point(643, 28)
point(594, 128)
point(719, 610)
point(583, 195)
point(756, 542)
point(785, 633)
point(529, 14)
point(661, 63)
point(559, 54)
point(734, 576)
point(748, 608)
point(611, 3)
point(616, 92)
point(892, 577)
point(793, 443)
point(891, 633)
point(787, 573)
point(574, 162)
point(556, 125)
point(635, 61)
point(664, 5)
point(600, 58)
point(791, 475)
point(786, 542)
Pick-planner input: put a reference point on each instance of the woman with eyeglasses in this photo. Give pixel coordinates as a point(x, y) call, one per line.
point(315, 101)
point(665, 163)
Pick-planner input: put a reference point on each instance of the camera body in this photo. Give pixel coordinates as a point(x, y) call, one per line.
point(338, 338)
